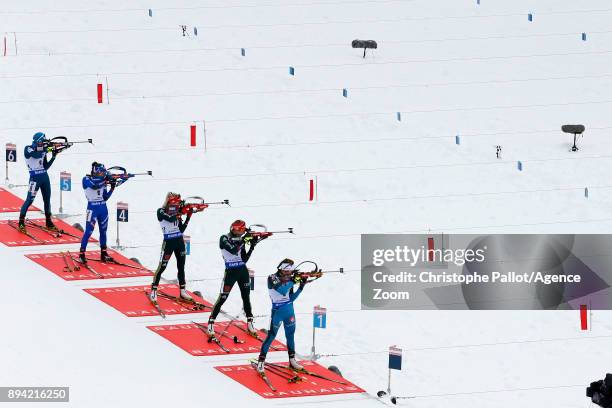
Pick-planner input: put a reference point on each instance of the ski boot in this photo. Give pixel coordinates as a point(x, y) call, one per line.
point(211, 328)
point(21, 227)
point(82, 257)
point(50, 225)
point(153, 295)
point(251, 328)
point(294, 364)
point(105, 257)
point(261, 364)
point(185, 295)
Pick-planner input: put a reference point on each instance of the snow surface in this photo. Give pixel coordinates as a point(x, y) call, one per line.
point(452, 67)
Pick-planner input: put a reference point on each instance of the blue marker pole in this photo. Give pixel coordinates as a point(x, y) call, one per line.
point(195, 31)
point(65, 185)
point(345, 92)
point(530, 17)
point(457, 140)
point(584, 37)
point(243, 52)
point(586, 192)
point(399, 116)
point(150, 13)
point(520, 166)
point(395, 363)
point(319, 321)
point(291, 71)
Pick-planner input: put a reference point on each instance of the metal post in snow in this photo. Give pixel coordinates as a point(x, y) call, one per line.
point(313, 355)
point(122, 216)
point(204, 132)
point(107, 97)
point(11, 156)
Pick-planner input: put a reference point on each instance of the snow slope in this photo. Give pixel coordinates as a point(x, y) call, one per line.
point(451, 67)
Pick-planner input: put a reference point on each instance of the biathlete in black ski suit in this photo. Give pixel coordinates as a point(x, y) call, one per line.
point(235, 255)
point(172, 226)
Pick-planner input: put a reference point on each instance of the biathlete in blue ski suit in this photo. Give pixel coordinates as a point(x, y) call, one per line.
point(97, 194)
point(38, 164)
point(280, 288)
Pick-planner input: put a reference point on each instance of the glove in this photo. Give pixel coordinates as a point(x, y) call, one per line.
point(249, 239)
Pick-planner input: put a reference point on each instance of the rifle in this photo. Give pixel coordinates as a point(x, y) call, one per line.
point(313, 275)
point(119, 175)
point(197, 204)
point(60, 143)
point(260, 231)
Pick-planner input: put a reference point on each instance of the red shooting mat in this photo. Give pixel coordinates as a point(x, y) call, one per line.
point(9, 236)
point(308, 387)
point(194, 341)
point(9, 202)
point(133, 302)
point(56, 263)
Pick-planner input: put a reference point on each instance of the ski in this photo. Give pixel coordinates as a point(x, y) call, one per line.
point(310, 373)
point(26, 233)
point(116, 263)
point(74, 265)
point(213, 338)
point(86, 266)
point(263, 376)
point(255, 336)
point(55, 233)
point(155, 304)
point(234, 338)
point(71, 266)
point(288, 375)
point(195, 304)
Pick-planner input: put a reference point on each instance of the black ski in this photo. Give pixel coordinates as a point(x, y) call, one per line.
point(155, 304)
point(116, 263)
point(89, 268)
point(263, 376)
point(195, 304)
point(213, 338)
point(255, 336)
point(310, 373)
point(55, 233)
point(288, 375)
point(234, 338)
point(26, 233)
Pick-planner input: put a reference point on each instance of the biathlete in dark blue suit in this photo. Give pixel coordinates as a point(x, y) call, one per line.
point(98, 189)
point(38, 164)
point(280, 288)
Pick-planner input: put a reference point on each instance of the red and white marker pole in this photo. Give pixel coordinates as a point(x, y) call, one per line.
point(584, 317)
point(312, 189)
point(192, 133)
point(100, 91)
